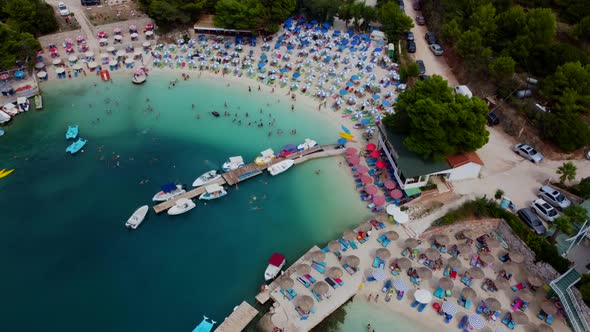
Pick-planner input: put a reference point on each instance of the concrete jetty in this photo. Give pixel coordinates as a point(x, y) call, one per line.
point(239, 318)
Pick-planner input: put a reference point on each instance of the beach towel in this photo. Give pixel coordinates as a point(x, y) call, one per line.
point(344, 244)
point(331, 282)
point(339, 281)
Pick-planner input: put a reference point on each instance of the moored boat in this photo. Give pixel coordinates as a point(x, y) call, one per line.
point(23, 104)
point(72, 132)
point(168, 191)
point(1, 132)
point(215, 114)
point(233, 163)
point(265, 157)
point(287, 150)
point(38, 102)
point(307, 144)
point(4, 117)
point(139, 76)
point(280, 167)
point(181, 206)
point(275, 264)
point(10, 109)
point(137, 217)
point(206, 178)
point(76, 146)
point(205, 325)
point(212, 192)
point(5, 173)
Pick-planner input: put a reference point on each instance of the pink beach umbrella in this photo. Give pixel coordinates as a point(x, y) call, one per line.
point(365, 179)
point(354, 160)
point(53, 50)
point(4, 77)
point(80, 39)
point(362, 169)
point(351, 151)
point(375, 154)
point(69, 48)
point(371, 147)
point(379, 200)
point(396, 194)
point(389, 184)
point(69, 41)
point(371, 190)
point(149, 26)
point(117, 30)
point(133, 27)
point(380, 164)
point(102, 34)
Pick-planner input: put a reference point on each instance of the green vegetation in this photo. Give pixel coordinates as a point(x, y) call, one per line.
point(584, 287)
point(321, 10)
point(483, 207)
point(168, 13)
point(581, 189)
point(499, 193)
point(567, 171)
point(360, 14)
point(437, 122)
point(394, 21)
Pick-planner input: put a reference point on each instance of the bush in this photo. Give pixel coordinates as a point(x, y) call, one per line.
point(584, 287)
point(567, 130)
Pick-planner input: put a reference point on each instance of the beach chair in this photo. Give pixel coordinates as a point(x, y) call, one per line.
point(405, 252)
point(448, 293)
point(325, 250)
point(316, 295)
point(310, 278)
point(381, 238)
point(318, 268)
point(286, 294)
point(321, 263)
point(541, 315)
point(353, 244)
point(344, 244)
point(447, 271)
point(349, 269)
point(414, 304)
point(339, 281)
point(376, 262)
point(518, 287)
point(291, 292)
point(506, 319)
point(463, 322)
point(303, 282)
point(386, 242)
point(421, 307)
point(439, 292)
point(448, 318)
point(549, 319)
point(331, 282)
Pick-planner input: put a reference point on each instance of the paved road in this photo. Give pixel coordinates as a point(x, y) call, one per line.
point(78, 10)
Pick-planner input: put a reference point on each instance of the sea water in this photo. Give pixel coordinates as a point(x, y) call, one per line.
point(68, 262)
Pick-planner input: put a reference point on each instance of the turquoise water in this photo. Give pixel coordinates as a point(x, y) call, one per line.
point(68, 262)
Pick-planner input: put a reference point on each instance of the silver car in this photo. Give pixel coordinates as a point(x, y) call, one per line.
point(544, 210)
point(527, 152)
point(437, 49)
point(554, 197)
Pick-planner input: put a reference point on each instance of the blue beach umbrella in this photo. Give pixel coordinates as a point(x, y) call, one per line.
point(278, 45)
point(344, 92)
point(341, 141)
point(314, 22)
point(284, 70)
point(365, 121)
point(344, 41)
point(327, 59)
point(378, 50)
point(326, 25)
point(19, 74)
point(349, 84)
point(296, 75)
point(263, 57)
point(324, 31)
point(386, 103)
point(355, 77)
point(376, 96)
point(290, 47)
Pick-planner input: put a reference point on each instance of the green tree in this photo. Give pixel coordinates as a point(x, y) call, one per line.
point(321, 10)
point(582, 29)
point(16, 46)
point(484, 21)
point(363, 15)
point(541, 26)
point(470, 48)
point(502, 67)
point(576, 213)
point(567, 130)
point(569, 86)
point(438, 122)
point(562, 224)
point(236, 14)
point(451, 31)
point(567, 171)
point(411, 70)
point(499, 193)
point(394, 21)
point(33, 16)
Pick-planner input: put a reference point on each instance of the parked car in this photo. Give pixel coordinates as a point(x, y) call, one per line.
point(544, 210)
point(554, 197)
point(409, 35)
point(437, 49)
point(423, 77)
point(420, 20)
point(527, 152)
point(411, 46)
point(421, 67)
point(89, 2)
point(417, 5)
point(493, 119)
point(430, 38)
point(63, 10)
point(531, 219)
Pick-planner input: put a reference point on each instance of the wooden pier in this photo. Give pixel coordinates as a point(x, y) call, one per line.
point(239, 318)
point(252, 170)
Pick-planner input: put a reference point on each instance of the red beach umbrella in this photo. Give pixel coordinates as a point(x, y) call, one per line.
point(379, 200)
point(69, 48)
point(375, 154)
point(102, 34)
point(4, 77)
point(350, 151)
point(365, 179)
point(396, 194)
point(362, 169)
point(371, 147)
point(354, 160)
point(53, 50)
point(149, 26)
point(371, 190)
point(389, 184)
point(380, 164)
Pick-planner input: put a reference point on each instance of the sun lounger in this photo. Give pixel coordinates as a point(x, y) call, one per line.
point(448, 293)
point(549, 319)
point(541, 315)
point(310, 278)
point(325, 250)
point(376, 262)
point(353, 244)
point(414, 304)
point(448, 318)
point(349, 269)
point(321, 263)
point(463, 322)
point(381, 238)
point(439, 292)
point(318, 268)
point(421, 307)
point(339, 281)
point(344, 244)
point(317, 296)
point(447, 271)
point(301, 313)
point(400, 295)
point(303, 282)
point(287, 294)
point(385, 243)
point(291, 292)
point(331, 282)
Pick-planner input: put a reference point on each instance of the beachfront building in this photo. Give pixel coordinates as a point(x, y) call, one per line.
point(412, 171)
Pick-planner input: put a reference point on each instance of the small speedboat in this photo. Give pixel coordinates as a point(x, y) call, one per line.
point(5, 173)
point(280, 167)
point(1, 132)
point(72, 132)
point(10, 109)
point(182, 205)
point(137, 217)
point(168, 191)
point(205, 325)
point(233, 163)
point(215, 114)
point(4, 117)
point(307, 144)
point(76, 146)
point(287, 150)
point(275, 264)
point(265, 157)
point(212, 192)
point(206, 178)
point(23, 104)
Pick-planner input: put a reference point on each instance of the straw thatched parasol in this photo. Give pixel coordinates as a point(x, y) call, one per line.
point(468, 293)
point(493, 242)
point(441, 239)
point(349, 235)
point(321, 287)
point(334, 246)
point(302, 269)
point(520, 317)
point(318, 256)
point(454, 262)
point(424, 272)
point(432, 253)
point(392, 235)
point(365, 227)
point(335, 272)
point(493, 304)
point(352, 260)
point(279, 319)
point(544, 328)
point(535, 281)
point(476, 272)
point(404, 263)
point(470, 234)
point(445, 283)
point(463, 248)
point(383, 253)
point(285, 282)
point(516, 257)
point(412, 243)
point(501, 283)
point(510, 267)
point(526, 295)
point(549, 307)
point(487, 258)
point(305, 302)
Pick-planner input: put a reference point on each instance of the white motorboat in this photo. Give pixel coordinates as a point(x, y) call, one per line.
point(206, 178)
point(23, 104)
point(265, 157)
point(137, 217)
point(275, 264)
point(182, 205)
point(307, 144)
point(139, 77)
point(280, 167)
point(168, 191)
point(4, 117)
point(10, 109)
point(233, 163)
point(212, 192)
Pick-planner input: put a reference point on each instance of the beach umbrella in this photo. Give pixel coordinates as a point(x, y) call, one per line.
point(340, 141)
point(371, 147)
point(366, 179)
point(442, 239)
point(476, 322)
point(371, 190)
point(445, 283)
point(92, 64)
point(365, 226)
point(535, 281)
point(510, 267)
point(378, 274)
point(432, 253)
point(375, 154)
point(354, 160)
point(379, 200)
point(302, 269)
point(392, 235)
point(449, 308)
point(41, 74)
point(404, 263)
point(493, 304)
point(526, 295)
point(470, 234)
point(468, 293)
point(362, 169)
point(423, 296)
point(486, 258)
point(389, 184)
point(349, 235)
point(60, 70)
point(56, 61)
point(520, 317)
point(501, 283)
point(544, 328)
point(400, 285)
point(397, 194)
point(493, 242)
point(380, 164)
point(39, 65)
point(383, 253)
point(351, 151)
point(285, 282)
point(334, 246)
point(463, 248)
point(335, 272)
point(516, 257)
point(352, 260)
point(305, 302)
point(476, 272)
point(454, 262)
point(424, 272)
point(318, 256)
point(548, 307)
point(321, 287)
point(411, 243)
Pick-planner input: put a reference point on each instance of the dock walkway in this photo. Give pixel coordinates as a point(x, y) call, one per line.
point(239, 318)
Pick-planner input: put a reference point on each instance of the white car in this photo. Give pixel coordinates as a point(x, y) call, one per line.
point(544, 210)
point(527, 152)
point(63, 10)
